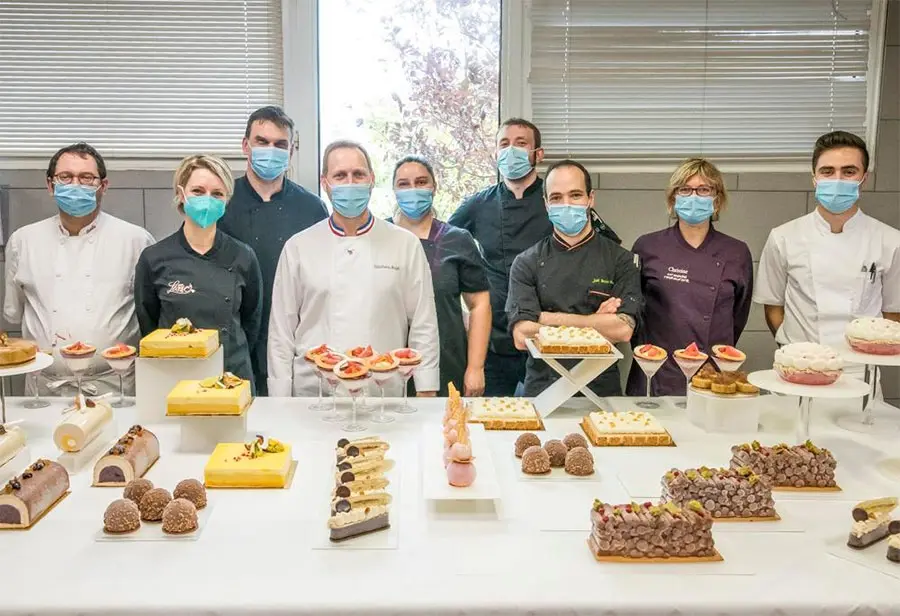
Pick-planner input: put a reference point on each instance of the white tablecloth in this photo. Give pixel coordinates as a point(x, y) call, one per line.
point(261, 551)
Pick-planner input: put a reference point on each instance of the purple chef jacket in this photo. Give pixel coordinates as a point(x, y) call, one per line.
point(700, 295)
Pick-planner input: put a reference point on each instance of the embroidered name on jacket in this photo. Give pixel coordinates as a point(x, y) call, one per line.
point(396, 268)
point(677, 275)
point(179, 288)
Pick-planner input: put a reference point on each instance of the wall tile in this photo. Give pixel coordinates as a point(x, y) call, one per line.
point(775, 181)
point(647, 181)
point(887, 156)
point(141, 179)
point(760, 348)
point(893, 23)
point(632, 212)
point(890, 84)
point(162, 218)
point(26, 178)
point(751, 215)
point(884, 206)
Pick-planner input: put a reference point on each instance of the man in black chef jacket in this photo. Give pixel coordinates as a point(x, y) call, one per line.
point(505, 219)
point(575, 277)
point(267, 209)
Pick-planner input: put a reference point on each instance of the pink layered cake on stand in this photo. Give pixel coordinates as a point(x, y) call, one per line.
point(808, 363)
point(874, 336)
point(458, 459)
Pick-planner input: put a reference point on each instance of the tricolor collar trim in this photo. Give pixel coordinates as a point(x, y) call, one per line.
point(340, 232)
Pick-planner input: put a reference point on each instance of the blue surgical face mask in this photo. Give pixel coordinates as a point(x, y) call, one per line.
point(513, 163)
point(837, 196)
point(694, 209)
point(414, 202)
point(350, 200)
point(568, 219)
point(75, 200)
point(204, 210)
point(268, 163)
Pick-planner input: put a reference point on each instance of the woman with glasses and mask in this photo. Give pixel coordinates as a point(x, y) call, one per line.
point(697, 281)
point(199, 272)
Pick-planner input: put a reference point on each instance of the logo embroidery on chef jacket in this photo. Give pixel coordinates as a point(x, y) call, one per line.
point(179, 288)
point(601, 281)
point(396, 268)
point(677, 275)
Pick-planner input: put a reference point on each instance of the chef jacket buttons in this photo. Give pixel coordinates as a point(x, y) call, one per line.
point(718, 264)
point(224, 330)
point(230, 269)
point(542, 264)
point(227, 300)
point(706, 318)
point(712, 288)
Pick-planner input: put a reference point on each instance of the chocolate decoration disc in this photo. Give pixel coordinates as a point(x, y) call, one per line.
point(860, 514)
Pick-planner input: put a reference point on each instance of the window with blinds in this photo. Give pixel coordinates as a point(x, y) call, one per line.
point(654, 81)
point(135, 78)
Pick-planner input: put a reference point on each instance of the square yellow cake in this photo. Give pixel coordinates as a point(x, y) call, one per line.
point(164, 343)
point(230, 466)
point(206, 398)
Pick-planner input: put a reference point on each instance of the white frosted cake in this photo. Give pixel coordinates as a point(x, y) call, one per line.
point(504, 413)
point(808, 363)
point(875, 336)
point(572, 340)
point(627, 429)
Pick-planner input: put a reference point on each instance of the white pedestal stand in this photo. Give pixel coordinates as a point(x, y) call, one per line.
point(40, 361)
point(865, 422)
point(571, 381)
point(77, 461)
point(156, 376)
point(15, 465)
point(201, 433)
point(846, 387)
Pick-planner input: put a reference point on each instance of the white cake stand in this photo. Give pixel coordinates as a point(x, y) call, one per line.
point(845, 387)
point(40, 361)
point(865, 422)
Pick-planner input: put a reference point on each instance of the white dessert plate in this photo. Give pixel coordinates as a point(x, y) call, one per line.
point(855, 357)
point(873, 557)
point(844, 387)
point(152, 531)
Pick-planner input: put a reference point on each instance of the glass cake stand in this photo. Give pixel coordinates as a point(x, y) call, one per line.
point(40, 362)
point(865, 422)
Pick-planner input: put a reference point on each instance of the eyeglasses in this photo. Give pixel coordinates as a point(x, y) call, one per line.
point(85, 179)
point(702, 191)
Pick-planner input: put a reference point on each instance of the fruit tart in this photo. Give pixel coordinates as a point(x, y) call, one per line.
point(727, 357)
point(328, 360)
point(361, 352)
point(351, 369)
point(691, 353)
point(650, 352)
point(407, 357)
point(318, 351)
point(383, 363)
point(78, 350)
point(119, 351)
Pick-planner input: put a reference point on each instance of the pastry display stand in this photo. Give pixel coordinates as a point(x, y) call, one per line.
point(201, 433)
point(846, 387)
point(572, 380)
point(76, 461)
point(723, 413)
point(155, 377)
point(485, 488)
point(865, 422)
point(40, 362)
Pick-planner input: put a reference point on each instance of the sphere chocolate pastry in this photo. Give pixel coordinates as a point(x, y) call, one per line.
point(136, 488)
point(121, 516)
point(575, 440)
point(191, 490)
point(179, 517)
point(526, 440)
point(557, 452)
point(535, 461)
point(580, 462)
point(153, 503)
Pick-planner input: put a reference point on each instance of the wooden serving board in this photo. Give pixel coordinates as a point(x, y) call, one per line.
point(674, 560)
point(774, 518)
point(40, 517)
point(806, 489)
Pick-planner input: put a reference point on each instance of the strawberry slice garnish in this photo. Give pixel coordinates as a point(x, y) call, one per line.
point(405, 353)
point(692, 348)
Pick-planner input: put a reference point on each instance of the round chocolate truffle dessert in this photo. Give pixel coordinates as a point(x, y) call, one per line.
point(136, 488)
point(535, 461)
point(121, 516)
point(579, 461)
point(557, 452)
point(575, 440)
point(153, 503)
point(191, 490)
point(526, 440)
point(179, 517)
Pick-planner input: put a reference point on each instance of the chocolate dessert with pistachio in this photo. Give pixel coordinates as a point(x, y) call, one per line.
point(128, 459)
point(797, 466)
point(723, 492)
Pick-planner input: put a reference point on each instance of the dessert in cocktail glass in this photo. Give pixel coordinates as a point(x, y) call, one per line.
point(325, 364)
point(364, 354)
point(650, 358)
point(353, 374)
point(120, 359)
point(408, 359)
point(37, 402)
point(310, 356)
point(689, 359)
point(728, 358)
point(382, 369)
point(78, 357)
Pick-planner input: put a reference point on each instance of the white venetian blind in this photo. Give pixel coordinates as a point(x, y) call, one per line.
point(135, 78)
point(642, 81)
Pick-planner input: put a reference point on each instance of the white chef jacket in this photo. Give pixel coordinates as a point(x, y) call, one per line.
point(371, 289)
point(64, 288)
point(825, 279)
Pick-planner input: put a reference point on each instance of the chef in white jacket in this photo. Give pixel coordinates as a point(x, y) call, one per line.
point(350, 280)
point(820, 271)
point(70, 277)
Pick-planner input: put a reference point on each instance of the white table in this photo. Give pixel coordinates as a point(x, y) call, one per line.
point(257, 554)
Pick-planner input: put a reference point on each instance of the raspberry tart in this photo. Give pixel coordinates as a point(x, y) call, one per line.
point(727, 357)
point(808, 363)
point(350, 369)
point(407, 357)
point(874, 336)
point(362, 352)
point(318, 351)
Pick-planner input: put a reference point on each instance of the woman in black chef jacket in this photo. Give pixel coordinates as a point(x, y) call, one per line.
point(199, 272)
point(457, 272)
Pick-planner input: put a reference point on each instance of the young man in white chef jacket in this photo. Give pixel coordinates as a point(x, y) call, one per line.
point(350, 280)
point(826, 268)
point(70, 277)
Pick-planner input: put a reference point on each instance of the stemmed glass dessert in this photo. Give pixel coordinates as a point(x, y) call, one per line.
point(37, 402)
point(689, 359)
point(408, 360)
point(120, 359)
point(728, 358)
point(650, 358)
point(364, 354)
point(311, 355)
point(325, 364)
point(382, 369)
point(78, 357)
point(354, 375)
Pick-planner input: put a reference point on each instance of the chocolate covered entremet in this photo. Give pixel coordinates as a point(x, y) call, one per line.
point(191, 490)
point(723, 492)
point(579, 461)
point(135, 490)
point(535, 461)
point(179, 517)
point(153, 503)
point(798, 466)
point(121, 516)
point(557, 452)
point(575, 440)
point(526, 440)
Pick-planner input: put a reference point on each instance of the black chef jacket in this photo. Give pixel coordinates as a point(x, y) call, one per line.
point(555, 277)
point(265, 226)
point(219, 290)
point(504, 227)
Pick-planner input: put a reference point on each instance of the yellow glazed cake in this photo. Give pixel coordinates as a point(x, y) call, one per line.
point(226, 395)
point(182, 340)
point(249, 465)
point(628, 429)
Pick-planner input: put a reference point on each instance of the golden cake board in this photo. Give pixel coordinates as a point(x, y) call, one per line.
point(287, 482)
point(519, 424)
point(121, 485)
point(40, 517)
point(674, 560)
point(710, 392)
point(806, 489)
point(599, 441)
point(558, 349)
point(774, 518)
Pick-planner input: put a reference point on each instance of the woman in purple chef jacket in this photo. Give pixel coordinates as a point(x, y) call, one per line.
point(697, 281)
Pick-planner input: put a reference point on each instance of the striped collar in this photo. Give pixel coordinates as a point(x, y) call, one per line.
point(340, 232)
point(561, 243)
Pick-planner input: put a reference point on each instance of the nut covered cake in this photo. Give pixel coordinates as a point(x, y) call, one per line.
point(626, 429)
point(504, 414)
point(571, 341)
point(800, 466)
point(723, 492)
